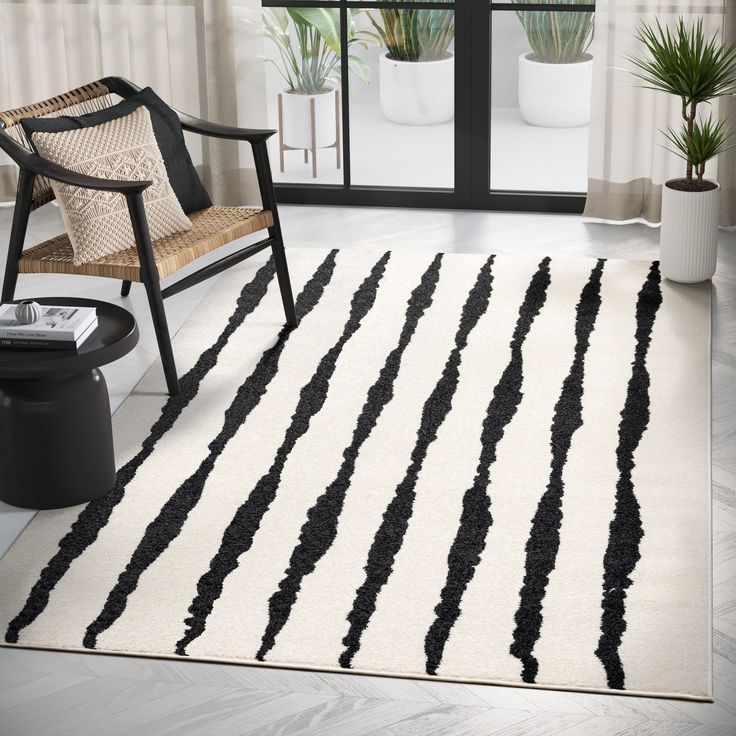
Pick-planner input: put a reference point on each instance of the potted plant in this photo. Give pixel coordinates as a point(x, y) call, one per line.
point(555, 77)
point(684, 64)
point(308, 42)
point(417, 72)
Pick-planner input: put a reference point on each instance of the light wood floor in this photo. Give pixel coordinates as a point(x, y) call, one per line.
point(87, 694)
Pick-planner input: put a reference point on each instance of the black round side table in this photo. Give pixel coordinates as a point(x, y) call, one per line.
point(56, 445)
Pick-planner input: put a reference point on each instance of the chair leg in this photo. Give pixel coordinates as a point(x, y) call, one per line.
point(10, 280)
point(150, 278)
point(268, 199)
point(282, 272)
point(125, 288)
point(161, 327)
point(18, 229)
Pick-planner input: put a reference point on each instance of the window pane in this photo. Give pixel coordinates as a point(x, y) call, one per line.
point(402, 97)
point(541, 75)
point(302, 46)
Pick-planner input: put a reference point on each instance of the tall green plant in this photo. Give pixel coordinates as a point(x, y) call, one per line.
point(312, 58)
point(557, 37)
point(682, 63)
point(420, 34)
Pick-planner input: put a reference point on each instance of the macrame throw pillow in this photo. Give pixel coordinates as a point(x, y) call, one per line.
point(183, 176)
point(98, 223)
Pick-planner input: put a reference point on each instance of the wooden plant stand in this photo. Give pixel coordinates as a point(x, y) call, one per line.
point(313, 117)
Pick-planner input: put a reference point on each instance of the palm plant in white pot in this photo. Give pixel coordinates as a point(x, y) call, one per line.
point(555, 77)
point(308, 42)
point(417, 71)
point(683, 63)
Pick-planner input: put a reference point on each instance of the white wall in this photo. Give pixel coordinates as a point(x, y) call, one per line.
point(508, 40)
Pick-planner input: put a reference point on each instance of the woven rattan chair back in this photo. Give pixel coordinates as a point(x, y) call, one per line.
point(80, 101)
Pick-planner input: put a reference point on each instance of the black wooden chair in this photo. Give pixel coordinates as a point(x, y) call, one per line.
point(148, 262)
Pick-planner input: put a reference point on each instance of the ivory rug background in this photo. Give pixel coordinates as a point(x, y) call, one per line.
point(463, 467)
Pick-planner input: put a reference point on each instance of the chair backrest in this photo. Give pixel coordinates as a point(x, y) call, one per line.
point(91, 97)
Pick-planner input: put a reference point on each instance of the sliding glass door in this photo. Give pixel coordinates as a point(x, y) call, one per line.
point(465, 104)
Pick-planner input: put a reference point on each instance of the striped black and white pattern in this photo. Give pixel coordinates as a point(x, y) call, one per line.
point(478, 468)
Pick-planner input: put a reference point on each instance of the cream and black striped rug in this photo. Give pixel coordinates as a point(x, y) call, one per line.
point(490, 469)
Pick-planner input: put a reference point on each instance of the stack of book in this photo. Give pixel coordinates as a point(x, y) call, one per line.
point(59, 328)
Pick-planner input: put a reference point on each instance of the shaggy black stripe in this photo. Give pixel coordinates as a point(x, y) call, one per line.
point(390, 534)
point(238, 536)
point(170, 519)
point(94, 516)
point(476, 519)
point(319, 531)
point(625, 531)
point(544, 538)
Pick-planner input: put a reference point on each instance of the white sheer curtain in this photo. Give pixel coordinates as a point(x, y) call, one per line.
point(627, 162)
point(204, 57)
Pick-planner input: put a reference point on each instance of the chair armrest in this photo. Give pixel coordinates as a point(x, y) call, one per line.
point(43, 167)
point(40, 166)
point(215, 130)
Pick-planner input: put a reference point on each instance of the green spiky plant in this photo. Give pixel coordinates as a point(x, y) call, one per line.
point(683, 63)
point(420, 34)
point(314, 60)
point(557, 37)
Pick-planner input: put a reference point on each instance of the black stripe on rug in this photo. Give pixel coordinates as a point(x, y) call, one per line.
point(319, 531)
point(476, 519)
point(170, 519)
point(544, 538)
point(95, 515)
point(239, 534)
point(625, 531)
point(390, 534)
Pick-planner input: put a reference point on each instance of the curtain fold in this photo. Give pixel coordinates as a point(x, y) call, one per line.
point(727, 160)
point(204, 57)
point(628, 162)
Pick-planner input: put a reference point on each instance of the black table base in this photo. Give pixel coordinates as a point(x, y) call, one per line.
point(55, 441)
point(56, 445)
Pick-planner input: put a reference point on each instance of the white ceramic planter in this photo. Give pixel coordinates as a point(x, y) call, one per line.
point(555, 95)
point(297, 122)
point(418, 92)
point(688, 239)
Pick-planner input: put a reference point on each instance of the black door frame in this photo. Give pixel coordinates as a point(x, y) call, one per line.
point(472, 121)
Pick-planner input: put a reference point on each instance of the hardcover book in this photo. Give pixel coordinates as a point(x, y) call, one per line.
point(64, 324)
point(22, 342)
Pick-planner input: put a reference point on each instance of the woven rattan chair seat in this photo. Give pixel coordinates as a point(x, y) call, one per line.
point(212, 228)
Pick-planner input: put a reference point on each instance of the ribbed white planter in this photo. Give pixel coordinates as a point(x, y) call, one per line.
point(298, 119)
point(688, 240)
point(555, 95)
point(418, 92)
